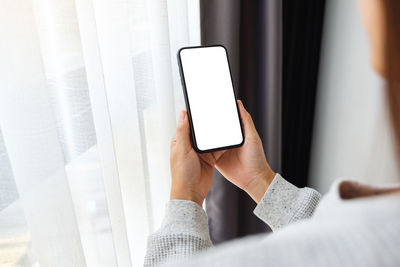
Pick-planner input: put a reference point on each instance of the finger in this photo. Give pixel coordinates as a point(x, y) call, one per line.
point(208, 158)
point(182, 134)
point(247, 122)
point(218, 154)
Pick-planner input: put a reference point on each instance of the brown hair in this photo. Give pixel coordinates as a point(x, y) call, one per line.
point(392, 64)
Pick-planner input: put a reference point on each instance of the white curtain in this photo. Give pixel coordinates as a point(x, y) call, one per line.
point(89, 92)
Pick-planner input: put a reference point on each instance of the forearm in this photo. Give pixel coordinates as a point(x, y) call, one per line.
point(184, 232)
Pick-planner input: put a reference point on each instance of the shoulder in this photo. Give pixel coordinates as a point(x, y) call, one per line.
point(310, 243)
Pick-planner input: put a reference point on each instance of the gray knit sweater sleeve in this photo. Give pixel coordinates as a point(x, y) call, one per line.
point(185, 231)
point(284, 203)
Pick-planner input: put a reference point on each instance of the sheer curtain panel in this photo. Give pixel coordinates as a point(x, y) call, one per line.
point(89, 92)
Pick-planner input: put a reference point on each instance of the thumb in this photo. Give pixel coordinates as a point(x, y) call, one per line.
point(248, 125)
point(182, 135)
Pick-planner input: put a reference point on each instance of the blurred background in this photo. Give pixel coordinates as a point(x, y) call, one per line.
point(90, 90)
point(352, 134)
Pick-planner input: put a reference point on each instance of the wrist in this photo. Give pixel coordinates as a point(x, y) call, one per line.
point(183, 195)
point(259, 185)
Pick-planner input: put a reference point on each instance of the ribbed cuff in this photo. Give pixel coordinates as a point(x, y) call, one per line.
point(278, 204)
point(185, 217)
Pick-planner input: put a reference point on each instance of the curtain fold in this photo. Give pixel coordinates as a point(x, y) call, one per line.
point(88, 101)
point(251, 32)
point(302, 35)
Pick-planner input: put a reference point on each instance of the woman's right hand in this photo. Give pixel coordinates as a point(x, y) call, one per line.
point(246, 166)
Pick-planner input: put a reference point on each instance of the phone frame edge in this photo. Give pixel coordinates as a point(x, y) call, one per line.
point(182, 77)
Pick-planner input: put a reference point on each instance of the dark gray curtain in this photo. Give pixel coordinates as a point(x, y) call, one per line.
point(251, 32)
point(302, 34)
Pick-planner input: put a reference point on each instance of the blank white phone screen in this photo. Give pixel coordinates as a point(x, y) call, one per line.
point(211, 98)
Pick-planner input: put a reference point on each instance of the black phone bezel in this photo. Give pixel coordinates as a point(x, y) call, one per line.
point(182, 76)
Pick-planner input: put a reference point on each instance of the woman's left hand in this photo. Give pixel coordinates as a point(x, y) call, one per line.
point(191, 172)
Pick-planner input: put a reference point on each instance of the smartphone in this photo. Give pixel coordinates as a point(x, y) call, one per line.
point(210, 98)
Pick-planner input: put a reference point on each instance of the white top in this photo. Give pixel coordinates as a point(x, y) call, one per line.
point(353, 225)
